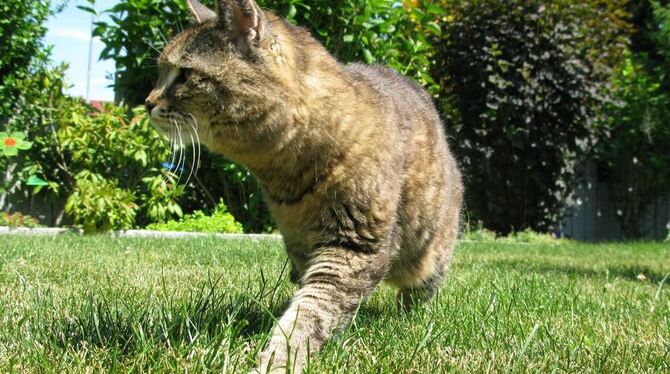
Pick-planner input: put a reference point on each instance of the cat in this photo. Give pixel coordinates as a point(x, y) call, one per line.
point(352, 161)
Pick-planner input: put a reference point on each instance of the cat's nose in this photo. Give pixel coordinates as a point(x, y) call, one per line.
point(150, 105)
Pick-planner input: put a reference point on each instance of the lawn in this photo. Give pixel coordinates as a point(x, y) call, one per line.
point(91, 304)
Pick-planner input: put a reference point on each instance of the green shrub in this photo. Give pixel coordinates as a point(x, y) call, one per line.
point(29, 85)
point(98, 204)
point(18, 219)
point(634, 160)
point(523, 84)
point(353, 30)
point(532, 237)
point(22, 52)
point(480, 234)
point(660, 30)
point(220, 221)
point(113, 153)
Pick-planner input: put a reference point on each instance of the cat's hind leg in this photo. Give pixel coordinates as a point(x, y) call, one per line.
point(410, 297)
point(424, 284)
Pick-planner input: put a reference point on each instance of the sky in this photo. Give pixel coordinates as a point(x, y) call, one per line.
point(69, 32)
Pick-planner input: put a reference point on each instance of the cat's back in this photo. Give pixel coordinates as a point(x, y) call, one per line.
point(397, 94)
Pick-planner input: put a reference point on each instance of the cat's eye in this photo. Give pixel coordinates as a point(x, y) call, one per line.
point(184, 74)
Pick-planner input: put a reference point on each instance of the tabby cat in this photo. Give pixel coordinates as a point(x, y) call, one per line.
point(352, 160)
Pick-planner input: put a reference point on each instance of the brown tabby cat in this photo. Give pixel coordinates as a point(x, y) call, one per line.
point(352, 160)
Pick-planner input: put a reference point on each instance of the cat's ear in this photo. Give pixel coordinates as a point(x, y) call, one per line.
point(200, 11)
point(244, 18)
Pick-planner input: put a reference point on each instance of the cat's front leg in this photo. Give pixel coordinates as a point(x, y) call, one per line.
point(298, 264)
point(335, 282)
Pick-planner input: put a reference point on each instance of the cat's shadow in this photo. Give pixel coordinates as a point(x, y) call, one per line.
point(127, 323)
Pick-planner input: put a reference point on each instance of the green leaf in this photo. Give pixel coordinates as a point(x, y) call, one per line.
point(369, 58)
point(24, 145)
point(18, 135)
point(434, 28)
point(10, 151)
point(34, 180)
point(88, 9)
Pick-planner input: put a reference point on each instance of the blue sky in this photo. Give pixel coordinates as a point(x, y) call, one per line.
point(69, 34)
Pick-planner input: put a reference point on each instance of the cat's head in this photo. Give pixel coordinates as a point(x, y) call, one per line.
point(223, 76)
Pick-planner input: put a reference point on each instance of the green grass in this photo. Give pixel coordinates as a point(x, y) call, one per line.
point(92, 304)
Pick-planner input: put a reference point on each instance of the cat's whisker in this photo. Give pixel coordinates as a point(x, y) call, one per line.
point(172, 145)
point(152, 46)
point(176, 155)
point(190, 173)
point(171, 137)
point(182, 157)
point(162, 36)
point(194, 125)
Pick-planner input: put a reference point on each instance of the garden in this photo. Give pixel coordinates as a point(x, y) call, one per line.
point(544, 102)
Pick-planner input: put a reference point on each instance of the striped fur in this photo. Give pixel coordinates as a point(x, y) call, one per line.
point(353, 162)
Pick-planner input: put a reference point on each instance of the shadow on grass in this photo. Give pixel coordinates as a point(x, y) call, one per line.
point(628, 272)
point(130, 321)
point(127, 323)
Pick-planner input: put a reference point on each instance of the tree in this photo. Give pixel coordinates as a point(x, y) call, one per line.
point(27, 83)
point(526, 80)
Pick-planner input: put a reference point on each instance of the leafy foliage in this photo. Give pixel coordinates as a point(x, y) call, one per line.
point(660, 29)
point(119, 159)
point(98, 204)
point(635, 161)
point(21, 49)
point(522, 85)
point(17, 219)
point(220, 221)
point(28, 83)
point(477, 233)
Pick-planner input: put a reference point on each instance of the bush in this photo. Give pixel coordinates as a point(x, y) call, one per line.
point(220, 221)
point(353, 30)
point(522, 89)
point(28, 87)
point(108, 166)
point(98, 204)
point(18, 219)
point(21, 50)
point(479, 234)
point(532, 237)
